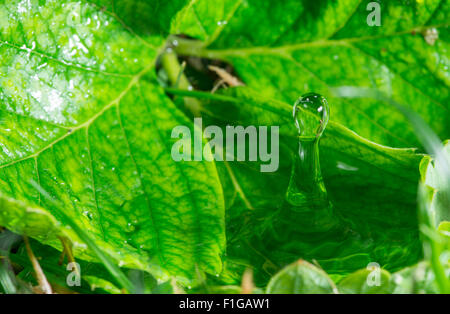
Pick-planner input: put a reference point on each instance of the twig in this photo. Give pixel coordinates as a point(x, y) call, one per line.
point(247, 285)
point(40, 276)
point(225, 76)
point(61, 257)
point(67, 249)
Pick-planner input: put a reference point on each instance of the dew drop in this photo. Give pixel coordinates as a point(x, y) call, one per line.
point(130, 227)
point(431, 35)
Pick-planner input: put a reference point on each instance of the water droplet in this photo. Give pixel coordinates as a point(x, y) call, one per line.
point(88, 214)
point(130, 227)
point(431, 35)
point(311, 113)
point(306, 208)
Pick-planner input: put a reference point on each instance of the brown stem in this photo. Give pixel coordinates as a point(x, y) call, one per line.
point(40, 276)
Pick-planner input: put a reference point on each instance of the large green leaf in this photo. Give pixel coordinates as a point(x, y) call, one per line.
point(82, 117)
point(372, 186)
point(286, 48)
point(143, 17)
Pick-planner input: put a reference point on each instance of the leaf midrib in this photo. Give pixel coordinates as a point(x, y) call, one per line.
point(70, 130)
point(203, 51)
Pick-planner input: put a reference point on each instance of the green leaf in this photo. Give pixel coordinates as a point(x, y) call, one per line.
point(444, 228)
point(357, 283)
point(416, 279)
point(55, 271)
point(286, 48)
point(299, 278)
point(437, 181)
point(98, 283)
point(366, 183)
point(143, 17)
point(82, 117)
point(434, 212)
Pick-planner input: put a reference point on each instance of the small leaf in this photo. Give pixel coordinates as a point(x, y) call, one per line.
point(358, 282)
point(299, 278)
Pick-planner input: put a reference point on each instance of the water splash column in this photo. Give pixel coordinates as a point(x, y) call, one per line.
point(307, 209)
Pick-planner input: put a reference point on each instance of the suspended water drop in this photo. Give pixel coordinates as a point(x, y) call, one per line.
point(307, 208)
point(311, 114)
